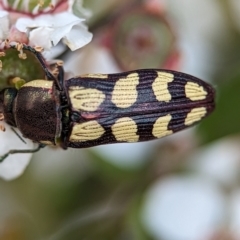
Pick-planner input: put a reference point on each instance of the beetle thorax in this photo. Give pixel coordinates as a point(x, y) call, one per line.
point(37, 110)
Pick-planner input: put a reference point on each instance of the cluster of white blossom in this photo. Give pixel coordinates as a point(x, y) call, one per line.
point(43, 24)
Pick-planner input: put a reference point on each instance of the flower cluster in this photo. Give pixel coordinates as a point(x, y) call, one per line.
point(33, 23)
point(42, 25)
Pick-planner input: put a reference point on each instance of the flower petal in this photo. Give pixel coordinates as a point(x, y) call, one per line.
point(4, 23)
point(77, 37)
point(64, 18)
point(41, 37)
point(47, 30)
point(60, 32)
point(47, 20)
point(25, 24)
point(14, 165)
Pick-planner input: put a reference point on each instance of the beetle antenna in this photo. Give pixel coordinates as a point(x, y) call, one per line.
point(18, 135)
point(14, 151)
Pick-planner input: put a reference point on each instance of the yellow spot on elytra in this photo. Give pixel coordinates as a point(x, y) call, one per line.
point(125, 129)
point(39, 84)
point(195, 115)
point(194, 91)
point(160, 86)
point(160, 127)
point(86, 131)
point(95, 75)
point(86, 99)
point(125, 93)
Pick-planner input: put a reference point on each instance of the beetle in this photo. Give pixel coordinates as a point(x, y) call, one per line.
point(96, 109)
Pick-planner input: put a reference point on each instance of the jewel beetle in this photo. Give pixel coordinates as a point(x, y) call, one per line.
point(95, 109)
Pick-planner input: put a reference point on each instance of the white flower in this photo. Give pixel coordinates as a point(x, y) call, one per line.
point(4, 23)
point(14, 165)
point(47, 30)
point(183, 207)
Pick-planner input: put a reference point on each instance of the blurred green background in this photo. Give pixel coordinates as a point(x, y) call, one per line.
point(105, 192)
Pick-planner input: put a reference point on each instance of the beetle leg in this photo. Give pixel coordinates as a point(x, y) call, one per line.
point(49, 75)
point(60, 77)
point(59, 80)
point(41, 60)
point(13, 151)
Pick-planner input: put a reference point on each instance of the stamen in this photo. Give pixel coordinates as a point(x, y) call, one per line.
point(55, 71)
point(6, 43)
point(51, 6)
point(38, 48)
point(38, 7)
point(1, 117)
point(19, 46)
point(2, 54)
point(35, 9)
point(41, 3)
point(15, 4)
point(60, 63)
point(2, 128)
point(25, 5)
point(22, 55)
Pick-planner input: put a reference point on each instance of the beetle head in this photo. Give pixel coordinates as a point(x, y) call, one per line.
point(7, 97)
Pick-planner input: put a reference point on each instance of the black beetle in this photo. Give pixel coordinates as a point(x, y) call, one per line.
point(97, 109)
